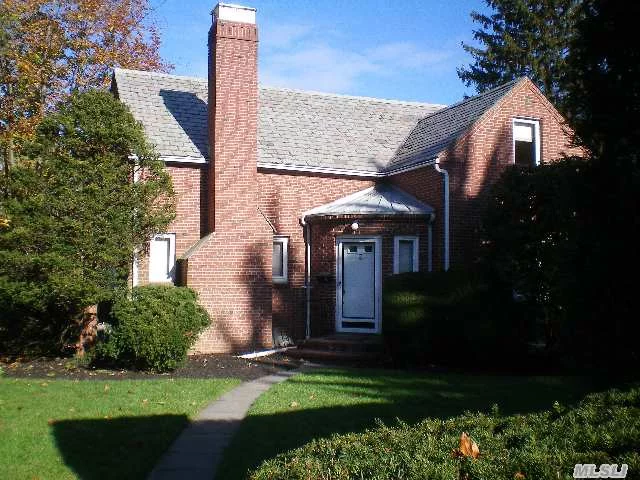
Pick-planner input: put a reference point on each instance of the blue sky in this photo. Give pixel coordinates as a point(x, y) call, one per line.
point(403, 49)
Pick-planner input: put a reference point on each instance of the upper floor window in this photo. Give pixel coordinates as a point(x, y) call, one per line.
point(280, 271)
point(526, 142)
point(405, 254)
point(162, 258)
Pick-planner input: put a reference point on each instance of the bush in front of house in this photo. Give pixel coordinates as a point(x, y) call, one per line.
point(455, 318)
point(561, 234)
point(70, 216)
point(602, 428)
point(152, 328)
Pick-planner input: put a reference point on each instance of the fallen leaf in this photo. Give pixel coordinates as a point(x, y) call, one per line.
point(294, 405)
point(519, 476)
point(106, 388)
point(44, 384)
point(468, 447)
point(51, 421)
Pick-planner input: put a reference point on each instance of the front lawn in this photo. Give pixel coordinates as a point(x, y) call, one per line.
point(324, 402)
point(62, 429)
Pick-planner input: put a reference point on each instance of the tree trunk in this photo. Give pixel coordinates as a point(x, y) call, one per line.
point(88, 330)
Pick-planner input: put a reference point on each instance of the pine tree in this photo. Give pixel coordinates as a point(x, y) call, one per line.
point(522, 38)
point(603, 78)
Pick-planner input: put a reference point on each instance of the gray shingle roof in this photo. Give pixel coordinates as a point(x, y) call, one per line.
point(381, 199)
point(172, 109)
point(333, 131)
point(303, 130)
point(434, 133)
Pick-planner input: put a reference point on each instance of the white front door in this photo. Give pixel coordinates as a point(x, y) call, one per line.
point(358, 285)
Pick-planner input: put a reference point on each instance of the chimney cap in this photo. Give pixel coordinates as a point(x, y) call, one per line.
point(234, 13)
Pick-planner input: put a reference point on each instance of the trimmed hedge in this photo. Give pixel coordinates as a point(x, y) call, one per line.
point(603, 428)
point(454, 318)
point(153, 328)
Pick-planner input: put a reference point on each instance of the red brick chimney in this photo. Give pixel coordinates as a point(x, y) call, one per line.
point(233, 116)
point(231, 267)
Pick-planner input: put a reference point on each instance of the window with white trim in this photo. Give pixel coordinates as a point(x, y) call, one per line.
point(280, 259)
point(162, 258)
point(405, 254)
point(526, 142)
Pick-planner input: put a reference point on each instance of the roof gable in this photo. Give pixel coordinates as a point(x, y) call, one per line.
point(435, 132)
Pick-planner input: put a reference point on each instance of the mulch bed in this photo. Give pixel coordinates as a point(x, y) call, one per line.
point(197, 366)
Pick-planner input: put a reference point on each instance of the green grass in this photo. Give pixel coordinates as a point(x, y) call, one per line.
point(59, 429)
point(318, 404)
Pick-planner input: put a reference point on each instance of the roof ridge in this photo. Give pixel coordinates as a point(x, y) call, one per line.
point(509, 84)
point(283, 89)
point(354, 97)
point(149, 73)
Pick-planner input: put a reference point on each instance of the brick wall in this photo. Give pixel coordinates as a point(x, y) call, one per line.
point(426, 184)
point(283, 199)
point(478, 158)
point(189, 183)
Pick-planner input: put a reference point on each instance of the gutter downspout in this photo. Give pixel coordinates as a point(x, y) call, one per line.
point(445, 187)
point(135, 274)
point(307, 275)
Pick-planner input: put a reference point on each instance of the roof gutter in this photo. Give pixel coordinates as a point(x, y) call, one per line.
point(445, 188)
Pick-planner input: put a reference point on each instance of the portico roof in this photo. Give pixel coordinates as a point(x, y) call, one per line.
point(380, 200)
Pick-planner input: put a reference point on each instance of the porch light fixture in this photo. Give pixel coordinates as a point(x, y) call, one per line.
point(355, 226)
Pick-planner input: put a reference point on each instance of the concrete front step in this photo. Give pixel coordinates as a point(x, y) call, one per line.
point(334, 356)
point(341, 347)
point(345, 342)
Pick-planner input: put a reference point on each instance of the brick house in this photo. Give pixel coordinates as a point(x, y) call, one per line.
point(293, 207)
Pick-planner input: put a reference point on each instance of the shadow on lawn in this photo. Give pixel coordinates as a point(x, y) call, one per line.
point(117, 448)
point(388, 398)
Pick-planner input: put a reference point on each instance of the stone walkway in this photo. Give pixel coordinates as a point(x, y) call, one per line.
point(197, 452)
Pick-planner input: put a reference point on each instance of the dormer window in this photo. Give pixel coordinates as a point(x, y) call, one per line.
point(526, 142)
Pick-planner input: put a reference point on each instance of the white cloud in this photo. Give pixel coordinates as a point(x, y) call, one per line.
point(408, 55)
point(311, 66)
point(282, 35)
point(316, 68)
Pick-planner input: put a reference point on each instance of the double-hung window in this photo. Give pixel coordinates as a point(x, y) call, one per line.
point(526, 142)
point(280, 272)
point(162, 258)
point(405, 254)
